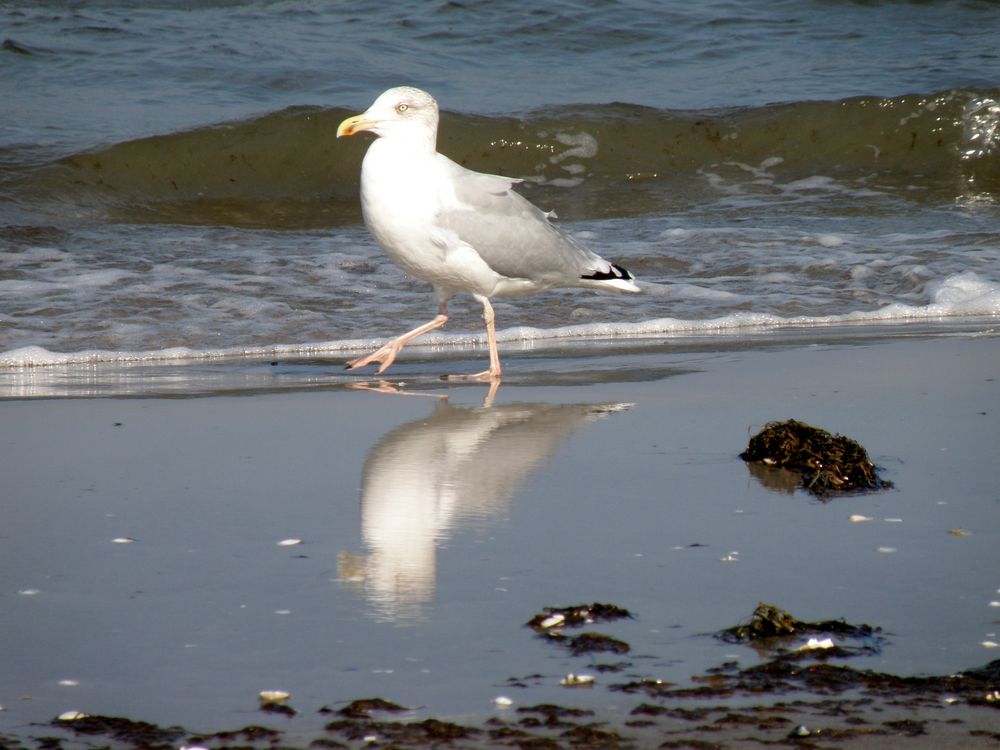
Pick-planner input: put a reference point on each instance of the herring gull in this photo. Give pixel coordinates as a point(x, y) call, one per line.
point(458, 230)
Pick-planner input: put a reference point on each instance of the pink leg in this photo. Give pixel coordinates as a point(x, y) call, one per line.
point(387, 354)
point(492, 374)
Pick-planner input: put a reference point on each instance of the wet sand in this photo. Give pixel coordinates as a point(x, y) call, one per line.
point(165, 559)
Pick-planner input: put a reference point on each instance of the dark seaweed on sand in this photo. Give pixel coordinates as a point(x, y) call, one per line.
point(828, 463)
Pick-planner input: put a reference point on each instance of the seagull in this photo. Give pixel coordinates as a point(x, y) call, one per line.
point(458, 230)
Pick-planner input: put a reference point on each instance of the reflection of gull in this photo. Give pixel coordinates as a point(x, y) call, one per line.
point(426, 476)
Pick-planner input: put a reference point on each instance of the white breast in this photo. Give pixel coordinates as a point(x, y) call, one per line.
point(401, 196)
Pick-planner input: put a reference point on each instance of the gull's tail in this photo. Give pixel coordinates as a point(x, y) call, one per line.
point(615, 278)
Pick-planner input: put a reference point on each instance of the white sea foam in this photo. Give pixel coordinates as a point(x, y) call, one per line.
point(961, 295)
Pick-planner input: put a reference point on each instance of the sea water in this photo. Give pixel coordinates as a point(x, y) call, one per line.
point(171, 186)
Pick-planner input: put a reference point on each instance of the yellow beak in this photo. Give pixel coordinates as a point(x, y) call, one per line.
point(353, 125)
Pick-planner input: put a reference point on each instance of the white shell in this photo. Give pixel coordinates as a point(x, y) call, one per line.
point(552, 621)
point(72, 716)
point(274, 697)
point(859, 518)
point(122, 540)
point(577, 680)
point(289, 542)
point(816, 643)
point(503, 701)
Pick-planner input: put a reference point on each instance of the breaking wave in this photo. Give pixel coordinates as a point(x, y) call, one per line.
point(288, 170)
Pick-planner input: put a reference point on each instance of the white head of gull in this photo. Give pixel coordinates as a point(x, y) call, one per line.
point(458, 230)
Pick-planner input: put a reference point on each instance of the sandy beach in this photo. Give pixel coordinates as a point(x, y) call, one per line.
point(166, 558)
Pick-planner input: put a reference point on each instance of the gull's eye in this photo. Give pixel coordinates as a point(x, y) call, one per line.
point(401, 108)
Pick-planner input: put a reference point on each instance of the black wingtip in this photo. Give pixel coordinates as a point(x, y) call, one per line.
point(616, 272)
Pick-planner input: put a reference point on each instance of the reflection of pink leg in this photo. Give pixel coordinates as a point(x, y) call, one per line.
point(492, 374)
point(387, 354)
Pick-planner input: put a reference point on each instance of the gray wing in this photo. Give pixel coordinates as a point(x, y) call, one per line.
point(511, 235)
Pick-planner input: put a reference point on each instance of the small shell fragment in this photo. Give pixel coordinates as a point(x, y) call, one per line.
point(289, 542)
point(816, 643)
point(553, 621)
point(122, 540)
point(856, 518)
point(886, 550)
point(72, 716)
point(502, 701)
point(577, 680)
point(29, 592)
point(959, 532)
point(989, 644)
point(69, 683)
point(274, 697)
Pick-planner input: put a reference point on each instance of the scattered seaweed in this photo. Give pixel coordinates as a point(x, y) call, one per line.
point(834, 703)
point(136, 733)
point(550, 715)
point(784, 675)
point(827, 463)
point(429, 732)
point(250, 734)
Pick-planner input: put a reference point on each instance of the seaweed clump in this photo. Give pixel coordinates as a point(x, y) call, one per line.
point(577, 615)
point(550, 623)
point(769, 621)
point(827, 463)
